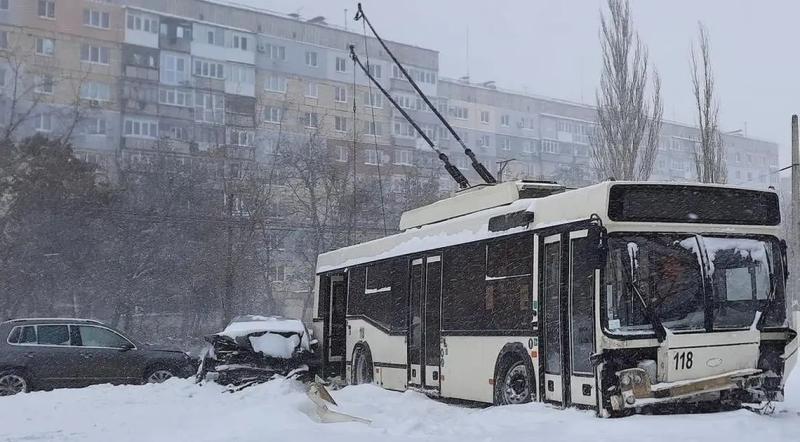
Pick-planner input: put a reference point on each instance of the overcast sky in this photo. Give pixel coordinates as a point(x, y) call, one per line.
point(551, 48)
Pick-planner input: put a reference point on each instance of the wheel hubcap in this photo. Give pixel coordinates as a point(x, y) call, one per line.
point(515, 388)
point(159, 376)
point(12, 384)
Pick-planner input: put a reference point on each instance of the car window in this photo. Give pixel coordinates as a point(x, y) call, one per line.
point(13, 337)
point(53, 335)
point(28, 335)
point(101, 337)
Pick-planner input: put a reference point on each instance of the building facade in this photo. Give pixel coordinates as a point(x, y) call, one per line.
point(222, 86)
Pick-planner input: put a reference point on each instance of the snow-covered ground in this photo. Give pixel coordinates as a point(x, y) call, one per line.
point(179, 410)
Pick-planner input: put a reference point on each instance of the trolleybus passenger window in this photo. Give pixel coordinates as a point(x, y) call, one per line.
point(463, 295)
point(508, 281)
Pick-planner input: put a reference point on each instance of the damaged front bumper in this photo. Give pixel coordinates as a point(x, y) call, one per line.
point(750, 385)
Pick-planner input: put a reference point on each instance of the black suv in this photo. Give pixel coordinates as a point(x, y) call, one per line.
point(53, 353)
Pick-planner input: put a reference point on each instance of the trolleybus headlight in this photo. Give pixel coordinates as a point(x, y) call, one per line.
point(626, 380)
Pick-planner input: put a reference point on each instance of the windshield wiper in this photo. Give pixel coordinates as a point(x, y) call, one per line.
point(649, 311)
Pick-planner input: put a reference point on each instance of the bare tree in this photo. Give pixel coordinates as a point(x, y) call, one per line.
point(709, 156)
point(626, 141)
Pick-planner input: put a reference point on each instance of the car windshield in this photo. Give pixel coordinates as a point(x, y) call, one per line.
point(670, 280)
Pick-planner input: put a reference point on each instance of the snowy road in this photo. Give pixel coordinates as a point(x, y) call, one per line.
point(181, 411)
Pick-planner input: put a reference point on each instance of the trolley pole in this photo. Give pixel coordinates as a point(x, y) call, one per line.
point(794, 230)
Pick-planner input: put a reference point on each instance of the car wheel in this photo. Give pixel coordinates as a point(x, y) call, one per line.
point(13, 382)
point(362, 366)
point(158, 375)
point(514, 385)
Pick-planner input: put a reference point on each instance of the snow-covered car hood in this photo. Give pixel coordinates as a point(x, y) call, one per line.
point(270, 335)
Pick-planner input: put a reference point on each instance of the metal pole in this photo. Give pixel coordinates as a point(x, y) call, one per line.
point(794, 241)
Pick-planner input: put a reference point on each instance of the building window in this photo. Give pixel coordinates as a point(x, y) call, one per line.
point(241, 74)
point(272, 114)
point(278, 273)
point(215, 37)
point(340, 94)
point(3, 39)
point(96, 19)
point(175, 97)
point(372, 157)
point(403, 157)
point(137, 22)
point(43, 122)
point(374, 128)
point(373, 99)
point(458, 112)
point(312, 90)
point(209, 69)
point(92, 90)
point(529, 146)
point(209, 108)
point(485, 117)
point(342, 154)
point(549, 146)
point(738, 157)
point(275, 83)
point(141, 128)
point(505, 143)
point(240, 42)
point(311, 120)
point(311, 59)
point(275, 52)
point(96, 126)
point(240, 137)
point(4, 5)
point(179, 133)
point(47, 8)
point(403, 128)
point(375, 70)
point(340, 124)
point(483, 141)
point(341, 64)
point(45, 47)
point(95, 54)
point(44, 84)
point(3, 73)
point(505, 120)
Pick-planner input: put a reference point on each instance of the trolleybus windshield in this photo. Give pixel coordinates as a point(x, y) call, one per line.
point(691, 281)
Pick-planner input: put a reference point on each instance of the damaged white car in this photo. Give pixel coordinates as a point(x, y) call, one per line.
point(254, 349)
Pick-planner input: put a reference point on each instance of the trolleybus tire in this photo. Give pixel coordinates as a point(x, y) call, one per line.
point(514, 377)
point(361, 370)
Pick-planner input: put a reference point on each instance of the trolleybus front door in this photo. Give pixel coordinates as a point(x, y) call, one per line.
point(568, 285)
point(581, 320)
point(424, 351)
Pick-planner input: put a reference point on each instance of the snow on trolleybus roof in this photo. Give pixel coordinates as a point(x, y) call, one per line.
point(467, 216)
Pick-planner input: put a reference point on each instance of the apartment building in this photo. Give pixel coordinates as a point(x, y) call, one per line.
point(547, 138)
point(221, 86)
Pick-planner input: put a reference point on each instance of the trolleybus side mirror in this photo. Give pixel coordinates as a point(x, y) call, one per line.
point(598, 245)
point(784, 261)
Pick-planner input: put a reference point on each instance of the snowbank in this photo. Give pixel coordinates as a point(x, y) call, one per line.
point(178, 410)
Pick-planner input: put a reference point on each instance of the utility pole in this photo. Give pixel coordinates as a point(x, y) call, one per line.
point(501, 167)
point(794, 241)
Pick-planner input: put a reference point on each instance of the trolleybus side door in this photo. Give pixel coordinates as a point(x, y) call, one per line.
point(415, 326)
point(551, 325)
point(433, 308)
point(424, 319)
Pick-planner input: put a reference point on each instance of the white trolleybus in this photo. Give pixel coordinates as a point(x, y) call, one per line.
point(614, 297)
